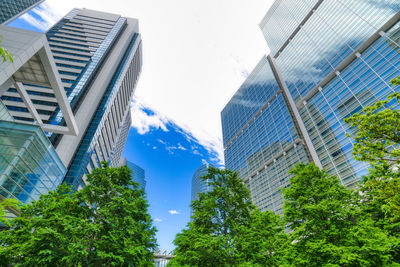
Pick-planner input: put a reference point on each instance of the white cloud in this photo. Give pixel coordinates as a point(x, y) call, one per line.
point(143, 121)
point(173, 212)
point(171, 148)
point(203, 161)
point(161, 141)
point(196, 152)
point(158, 220)
point(181, 147)
point(154, 147)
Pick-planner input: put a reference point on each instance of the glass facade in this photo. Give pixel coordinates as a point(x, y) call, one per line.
point(4, 114)
point(138, 174)
point(342, 71)
point(29, 165)
point(335, 58)
point(198, 185)
point(264, 140)
point(9, 9)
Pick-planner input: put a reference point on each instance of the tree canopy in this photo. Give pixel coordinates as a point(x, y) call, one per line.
point(106, 223)
point(225, 227)
point(377, 141)
point(328, 227)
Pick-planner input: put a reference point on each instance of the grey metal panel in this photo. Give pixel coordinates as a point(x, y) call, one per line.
point(99, 14)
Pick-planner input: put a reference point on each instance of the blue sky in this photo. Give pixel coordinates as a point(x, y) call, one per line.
point(189, 73)
point(170, 156)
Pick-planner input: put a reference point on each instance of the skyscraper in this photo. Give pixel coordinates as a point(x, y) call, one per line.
point(329, 59)
point(198, 185)
point(98, 57)
point(68, 93)
point(100, 93)
point(11, 9)
point(138, 174)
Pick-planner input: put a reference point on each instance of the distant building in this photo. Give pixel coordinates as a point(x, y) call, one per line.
point(138, 174)
point(198, 185)
point(329, 59)
point(11, 9)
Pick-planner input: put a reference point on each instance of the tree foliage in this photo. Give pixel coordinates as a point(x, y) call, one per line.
point(7, 204)
point(377, 142)
point(104, 224)
point(225, 227)
point(328, 227)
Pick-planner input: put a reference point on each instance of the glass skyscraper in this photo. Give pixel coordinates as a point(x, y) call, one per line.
point(138, 174)
point(329, 59)
point(198, 185)
point(11, 9)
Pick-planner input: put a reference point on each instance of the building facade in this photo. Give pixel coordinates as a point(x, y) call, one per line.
point(100, 96)
point(11, 9)
point(198, 185)
point(66, 97)
point(98, 58)
point(328, 60)
point(138, 174)
point(115, 158)
point(29, 164)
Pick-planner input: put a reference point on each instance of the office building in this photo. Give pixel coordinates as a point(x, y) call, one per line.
point(11, 9)
point(108, 47)
point(138, 174)
point(29, 164)
point(98, 58)
point(199, 185)
point(67, 94)
point(328, 60)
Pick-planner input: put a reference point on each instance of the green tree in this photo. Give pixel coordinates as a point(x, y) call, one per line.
point(328, 226)
point(376, 141)
point(226, 229)
point(8, 203)
point(104, 224)
point(263, 242)
point(4, 54)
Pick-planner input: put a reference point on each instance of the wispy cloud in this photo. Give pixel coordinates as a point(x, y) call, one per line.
point(145, 119)
point(158, 220)
point(161, 141)
point(181, 147)
point(196, 152)
point(171, 148)
point(173, 212)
